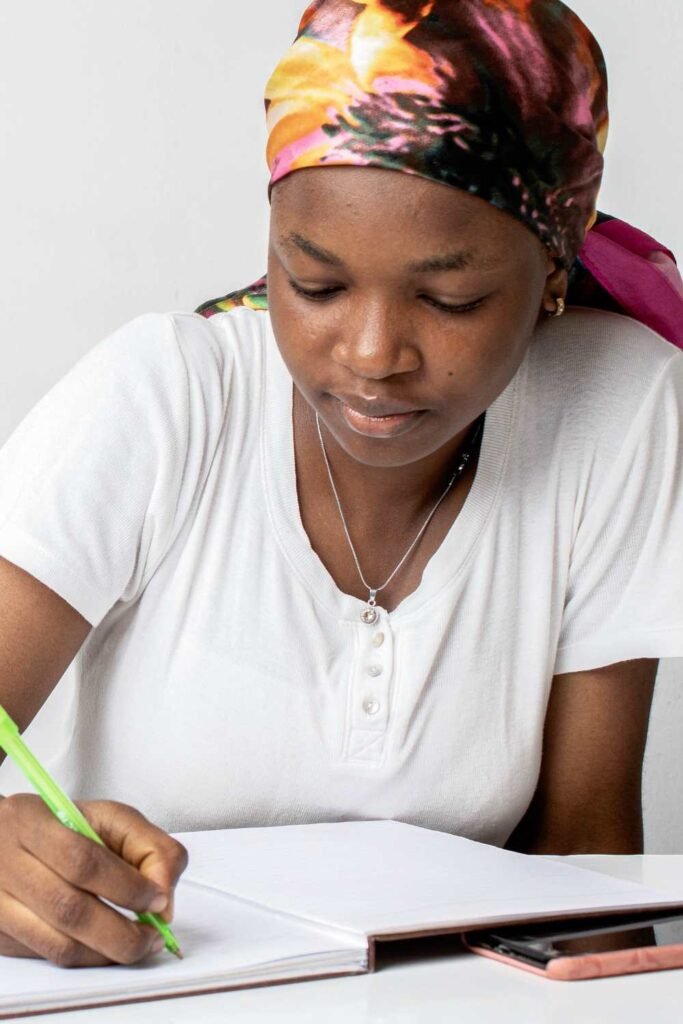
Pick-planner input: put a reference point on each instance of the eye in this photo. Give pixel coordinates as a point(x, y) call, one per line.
point(316, 295)
point(447, 308)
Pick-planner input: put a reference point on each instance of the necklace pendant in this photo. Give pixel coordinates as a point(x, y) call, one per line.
point(369, 615)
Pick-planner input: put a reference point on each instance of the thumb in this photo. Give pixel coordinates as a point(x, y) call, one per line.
point(128, 833)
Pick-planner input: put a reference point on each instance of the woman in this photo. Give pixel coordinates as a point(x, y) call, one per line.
point(397, 535)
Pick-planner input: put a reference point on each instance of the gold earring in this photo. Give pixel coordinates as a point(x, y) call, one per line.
point(561, 308)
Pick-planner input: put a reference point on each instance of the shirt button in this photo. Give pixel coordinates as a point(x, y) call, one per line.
point(371, 707)
point(375, 670)
point(378, 640)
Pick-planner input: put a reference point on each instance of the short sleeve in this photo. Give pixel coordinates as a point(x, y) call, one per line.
point(96, 481)
point(625, 592)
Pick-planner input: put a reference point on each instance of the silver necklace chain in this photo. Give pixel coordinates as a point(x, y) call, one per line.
point(369, 614)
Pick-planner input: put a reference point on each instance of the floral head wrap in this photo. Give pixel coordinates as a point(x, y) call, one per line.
point(506, 99)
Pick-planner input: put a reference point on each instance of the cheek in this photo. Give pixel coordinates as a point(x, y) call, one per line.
point(463, 356)
point(499, 337)
point(482, 357)
point(304, 335)
point(299, 345)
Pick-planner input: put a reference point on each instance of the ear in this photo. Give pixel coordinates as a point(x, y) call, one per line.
point(556, 285)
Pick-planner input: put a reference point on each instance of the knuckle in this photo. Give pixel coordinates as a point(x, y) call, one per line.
point(84, 859)
point(115, 816)
point(14, 807)
point(112, 805)
point(70, 909)
point(114, 809)
point(179, 856)
point(63, 952)
point(8, 808)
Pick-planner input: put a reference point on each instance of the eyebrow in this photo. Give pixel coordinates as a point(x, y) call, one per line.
point(315, 251)
point(463, 259)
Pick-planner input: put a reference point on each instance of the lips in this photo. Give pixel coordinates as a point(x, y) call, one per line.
point(375, 407)
point(378, 419)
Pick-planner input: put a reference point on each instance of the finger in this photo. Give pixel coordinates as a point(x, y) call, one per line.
point(169, 910)
point(9, 947)
point(79, 916)
point(152, 851)
point(84, 864)
point(79, 860)
point(26, 935)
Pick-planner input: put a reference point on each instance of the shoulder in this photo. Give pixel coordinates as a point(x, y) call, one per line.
point(592, 346)
point(201, 341)
point(592, 371)
point(180, 350)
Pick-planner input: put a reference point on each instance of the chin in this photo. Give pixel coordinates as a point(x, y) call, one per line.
point(387, 450)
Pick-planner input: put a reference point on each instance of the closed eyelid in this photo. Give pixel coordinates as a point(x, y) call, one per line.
point(457, 307)
point(322, 293)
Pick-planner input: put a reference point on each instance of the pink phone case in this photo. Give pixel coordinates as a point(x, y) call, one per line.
point(596, 965)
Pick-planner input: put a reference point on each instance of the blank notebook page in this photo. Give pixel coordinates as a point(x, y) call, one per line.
point(378, 877)
point(220, 937)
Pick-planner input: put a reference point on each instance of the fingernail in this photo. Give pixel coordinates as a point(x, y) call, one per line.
point(159, 903)
point(157, 945)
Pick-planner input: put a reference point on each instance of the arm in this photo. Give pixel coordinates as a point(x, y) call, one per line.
point(40, 634)
point(50, 877)
point(588, 798)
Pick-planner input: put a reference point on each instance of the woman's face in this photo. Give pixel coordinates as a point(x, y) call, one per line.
point(402, 308)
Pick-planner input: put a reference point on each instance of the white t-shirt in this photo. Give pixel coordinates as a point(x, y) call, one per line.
point(227, 681)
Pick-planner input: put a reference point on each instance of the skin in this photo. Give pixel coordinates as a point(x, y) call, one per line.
point(50, 877)
point(378, 336)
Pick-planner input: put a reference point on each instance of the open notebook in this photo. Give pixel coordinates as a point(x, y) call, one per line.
point(263, 905)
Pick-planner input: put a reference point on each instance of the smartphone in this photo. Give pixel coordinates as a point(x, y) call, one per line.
point(587, 947)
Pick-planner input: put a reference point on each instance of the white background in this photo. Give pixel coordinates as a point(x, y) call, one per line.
point(132, 178)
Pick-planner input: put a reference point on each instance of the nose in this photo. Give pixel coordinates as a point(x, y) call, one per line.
point(375, 342)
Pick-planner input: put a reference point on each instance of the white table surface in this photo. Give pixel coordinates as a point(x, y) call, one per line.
point(446, 985)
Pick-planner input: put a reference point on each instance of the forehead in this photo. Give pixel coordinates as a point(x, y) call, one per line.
point(338, 207)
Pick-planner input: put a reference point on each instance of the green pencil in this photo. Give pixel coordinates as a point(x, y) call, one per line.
point(63, 808)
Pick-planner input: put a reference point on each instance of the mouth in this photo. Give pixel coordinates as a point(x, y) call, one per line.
point(378, 419)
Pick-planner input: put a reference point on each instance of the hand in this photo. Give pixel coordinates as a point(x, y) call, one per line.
point(53, 881)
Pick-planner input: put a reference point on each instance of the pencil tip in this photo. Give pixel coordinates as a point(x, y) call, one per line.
point(176, 952)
